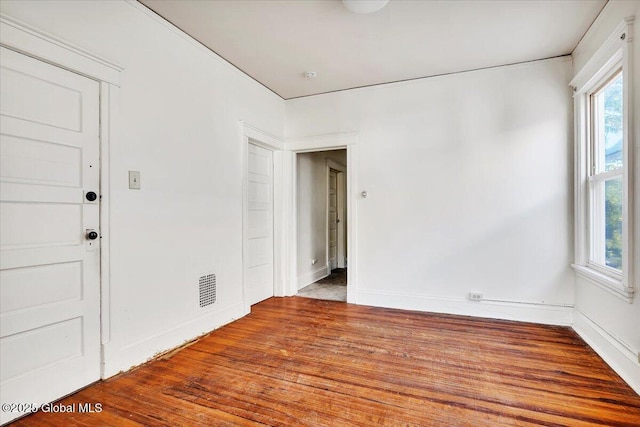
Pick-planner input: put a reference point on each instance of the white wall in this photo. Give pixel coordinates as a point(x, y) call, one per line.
point(311, 215)
point(178, 125)
point(469, 189)
point(609, 324)
point(469, 179)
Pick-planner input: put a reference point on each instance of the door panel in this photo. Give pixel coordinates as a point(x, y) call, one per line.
point(23, 287)
point(56, 342)
point(27, 161)
point(49, 272)
point(333, 218)
point(22, 225)
point(259, 244)
point(59, 100)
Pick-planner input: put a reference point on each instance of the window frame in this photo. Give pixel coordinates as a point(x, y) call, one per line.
point(597, 176)
point(614, 56)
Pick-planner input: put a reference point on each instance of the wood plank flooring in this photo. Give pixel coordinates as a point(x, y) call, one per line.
point(305, 362)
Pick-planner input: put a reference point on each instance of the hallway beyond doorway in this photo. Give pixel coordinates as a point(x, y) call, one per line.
point(331, 288)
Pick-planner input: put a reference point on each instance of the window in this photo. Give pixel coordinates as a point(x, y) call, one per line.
point(603, 198)
point(606, 177)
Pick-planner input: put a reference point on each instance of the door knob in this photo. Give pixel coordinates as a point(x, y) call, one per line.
point(91, 234)
point(91, 196)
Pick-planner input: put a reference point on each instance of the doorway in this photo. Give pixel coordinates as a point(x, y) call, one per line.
point(322, 225)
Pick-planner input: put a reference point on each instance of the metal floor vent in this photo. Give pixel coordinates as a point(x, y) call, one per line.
point(207, 290)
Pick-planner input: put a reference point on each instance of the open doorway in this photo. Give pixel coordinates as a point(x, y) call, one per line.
point(322, 225)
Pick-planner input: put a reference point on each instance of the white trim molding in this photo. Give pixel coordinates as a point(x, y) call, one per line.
point(261, 137)
point(314, 276)
point(334, 141)
point(331, 164)
point(505, 310)
point(604, 282)
point(615, 52)
point(130, 355)
point(109, 97)
point(608, 54)
point(616, 353)
point(348, 141)
point(21, 37)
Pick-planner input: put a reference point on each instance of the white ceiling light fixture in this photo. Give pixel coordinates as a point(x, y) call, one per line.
point(310, 74)
point(364, 6)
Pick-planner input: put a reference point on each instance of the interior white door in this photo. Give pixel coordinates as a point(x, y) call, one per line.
point(259, 263)
point(49, 269)
point(342, 221)
point(333, 218)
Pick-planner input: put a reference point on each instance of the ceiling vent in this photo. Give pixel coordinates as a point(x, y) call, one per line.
point(207, 290)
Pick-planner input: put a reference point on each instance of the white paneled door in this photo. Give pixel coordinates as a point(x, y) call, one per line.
point(259, 263)
point(49, 242)
point(333, 219)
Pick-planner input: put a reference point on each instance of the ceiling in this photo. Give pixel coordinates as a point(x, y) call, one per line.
point(277, 41)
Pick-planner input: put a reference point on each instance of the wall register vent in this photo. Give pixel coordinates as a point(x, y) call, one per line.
point(207, 290)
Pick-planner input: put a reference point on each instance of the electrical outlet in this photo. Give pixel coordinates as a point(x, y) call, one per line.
point(475, 296)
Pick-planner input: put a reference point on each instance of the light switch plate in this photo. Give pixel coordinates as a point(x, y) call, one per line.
point(134, 180)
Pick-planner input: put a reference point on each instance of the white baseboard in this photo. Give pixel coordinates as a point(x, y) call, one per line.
point(313, 276)
point(522, 312)
point(118, 359)
point(614, 352)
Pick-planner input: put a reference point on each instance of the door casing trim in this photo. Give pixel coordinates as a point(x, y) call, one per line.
point(338, 141)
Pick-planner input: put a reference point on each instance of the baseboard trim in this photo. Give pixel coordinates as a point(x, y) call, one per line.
point(118, 359)
point(614, 352)
point(313, 276)
point(522, 312)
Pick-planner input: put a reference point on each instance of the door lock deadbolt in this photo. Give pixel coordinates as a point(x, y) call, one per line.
point(91, 234)
point(91, 196)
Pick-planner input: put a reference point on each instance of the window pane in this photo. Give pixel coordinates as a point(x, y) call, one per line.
point(608, 126)
point(613, 222)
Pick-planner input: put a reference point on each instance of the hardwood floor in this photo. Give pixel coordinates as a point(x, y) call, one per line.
point(305, 362)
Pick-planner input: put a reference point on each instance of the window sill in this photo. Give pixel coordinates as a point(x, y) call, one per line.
point(609, 284)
